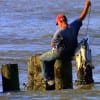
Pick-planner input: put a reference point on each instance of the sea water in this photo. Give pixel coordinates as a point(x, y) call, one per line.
point(26, 28)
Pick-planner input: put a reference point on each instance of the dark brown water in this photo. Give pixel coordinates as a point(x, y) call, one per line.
point(26, 27)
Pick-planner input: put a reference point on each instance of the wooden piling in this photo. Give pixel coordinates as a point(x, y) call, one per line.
point(83, 58)
point(63, 74)
point(10, 79)
point(35, 79)
point(85, 76)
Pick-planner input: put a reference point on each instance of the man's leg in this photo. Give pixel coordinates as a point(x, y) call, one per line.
point(47, 61)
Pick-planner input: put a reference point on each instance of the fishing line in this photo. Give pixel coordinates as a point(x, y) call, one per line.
point(87, 29)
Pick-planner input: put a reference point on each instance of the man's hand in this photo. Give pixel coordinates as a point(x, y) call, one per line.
point(85, 9)
point(87, 3)
point(53, 44)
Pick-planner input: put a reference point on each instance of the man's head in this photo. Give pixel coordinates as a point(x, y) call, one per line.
point(61, 18)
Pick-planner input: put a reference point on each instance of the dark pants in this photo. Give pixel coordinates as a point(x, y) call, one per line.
point(47, 61)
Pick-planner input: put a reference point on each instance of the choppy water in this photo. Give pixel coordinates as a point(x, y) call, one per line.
point(26, 27)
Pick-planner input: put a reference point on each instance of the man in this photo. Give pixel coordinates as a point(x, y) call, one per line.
point(64, 43)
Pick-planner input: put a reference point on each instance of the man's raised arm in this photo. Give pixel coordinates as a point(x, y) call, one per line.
point(85, 9)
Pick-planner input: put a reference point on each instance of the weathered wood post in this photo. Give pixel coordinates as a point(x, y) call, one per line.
point(63, 74)
point(85, 76)
point(84, 66)
point(10, 79)
point(35, 79)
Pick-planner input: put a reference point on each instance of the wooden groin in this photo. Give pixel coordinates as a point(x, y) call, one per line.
point(62, 76)
point(62, 73)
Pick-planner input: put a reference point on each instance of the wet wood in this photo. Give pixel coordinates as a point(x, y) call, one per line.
point(85, 76)
point(63, 74)
point(85, 86)
point(84, 66)
point(10, 79)
point(35, 79)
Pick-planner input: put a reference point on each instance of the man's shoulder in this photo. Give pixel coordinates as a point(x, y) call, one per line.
point(76, 23)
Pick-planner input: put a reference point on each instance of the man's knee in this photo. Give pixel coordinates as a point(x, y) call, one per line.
point(42, 58)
